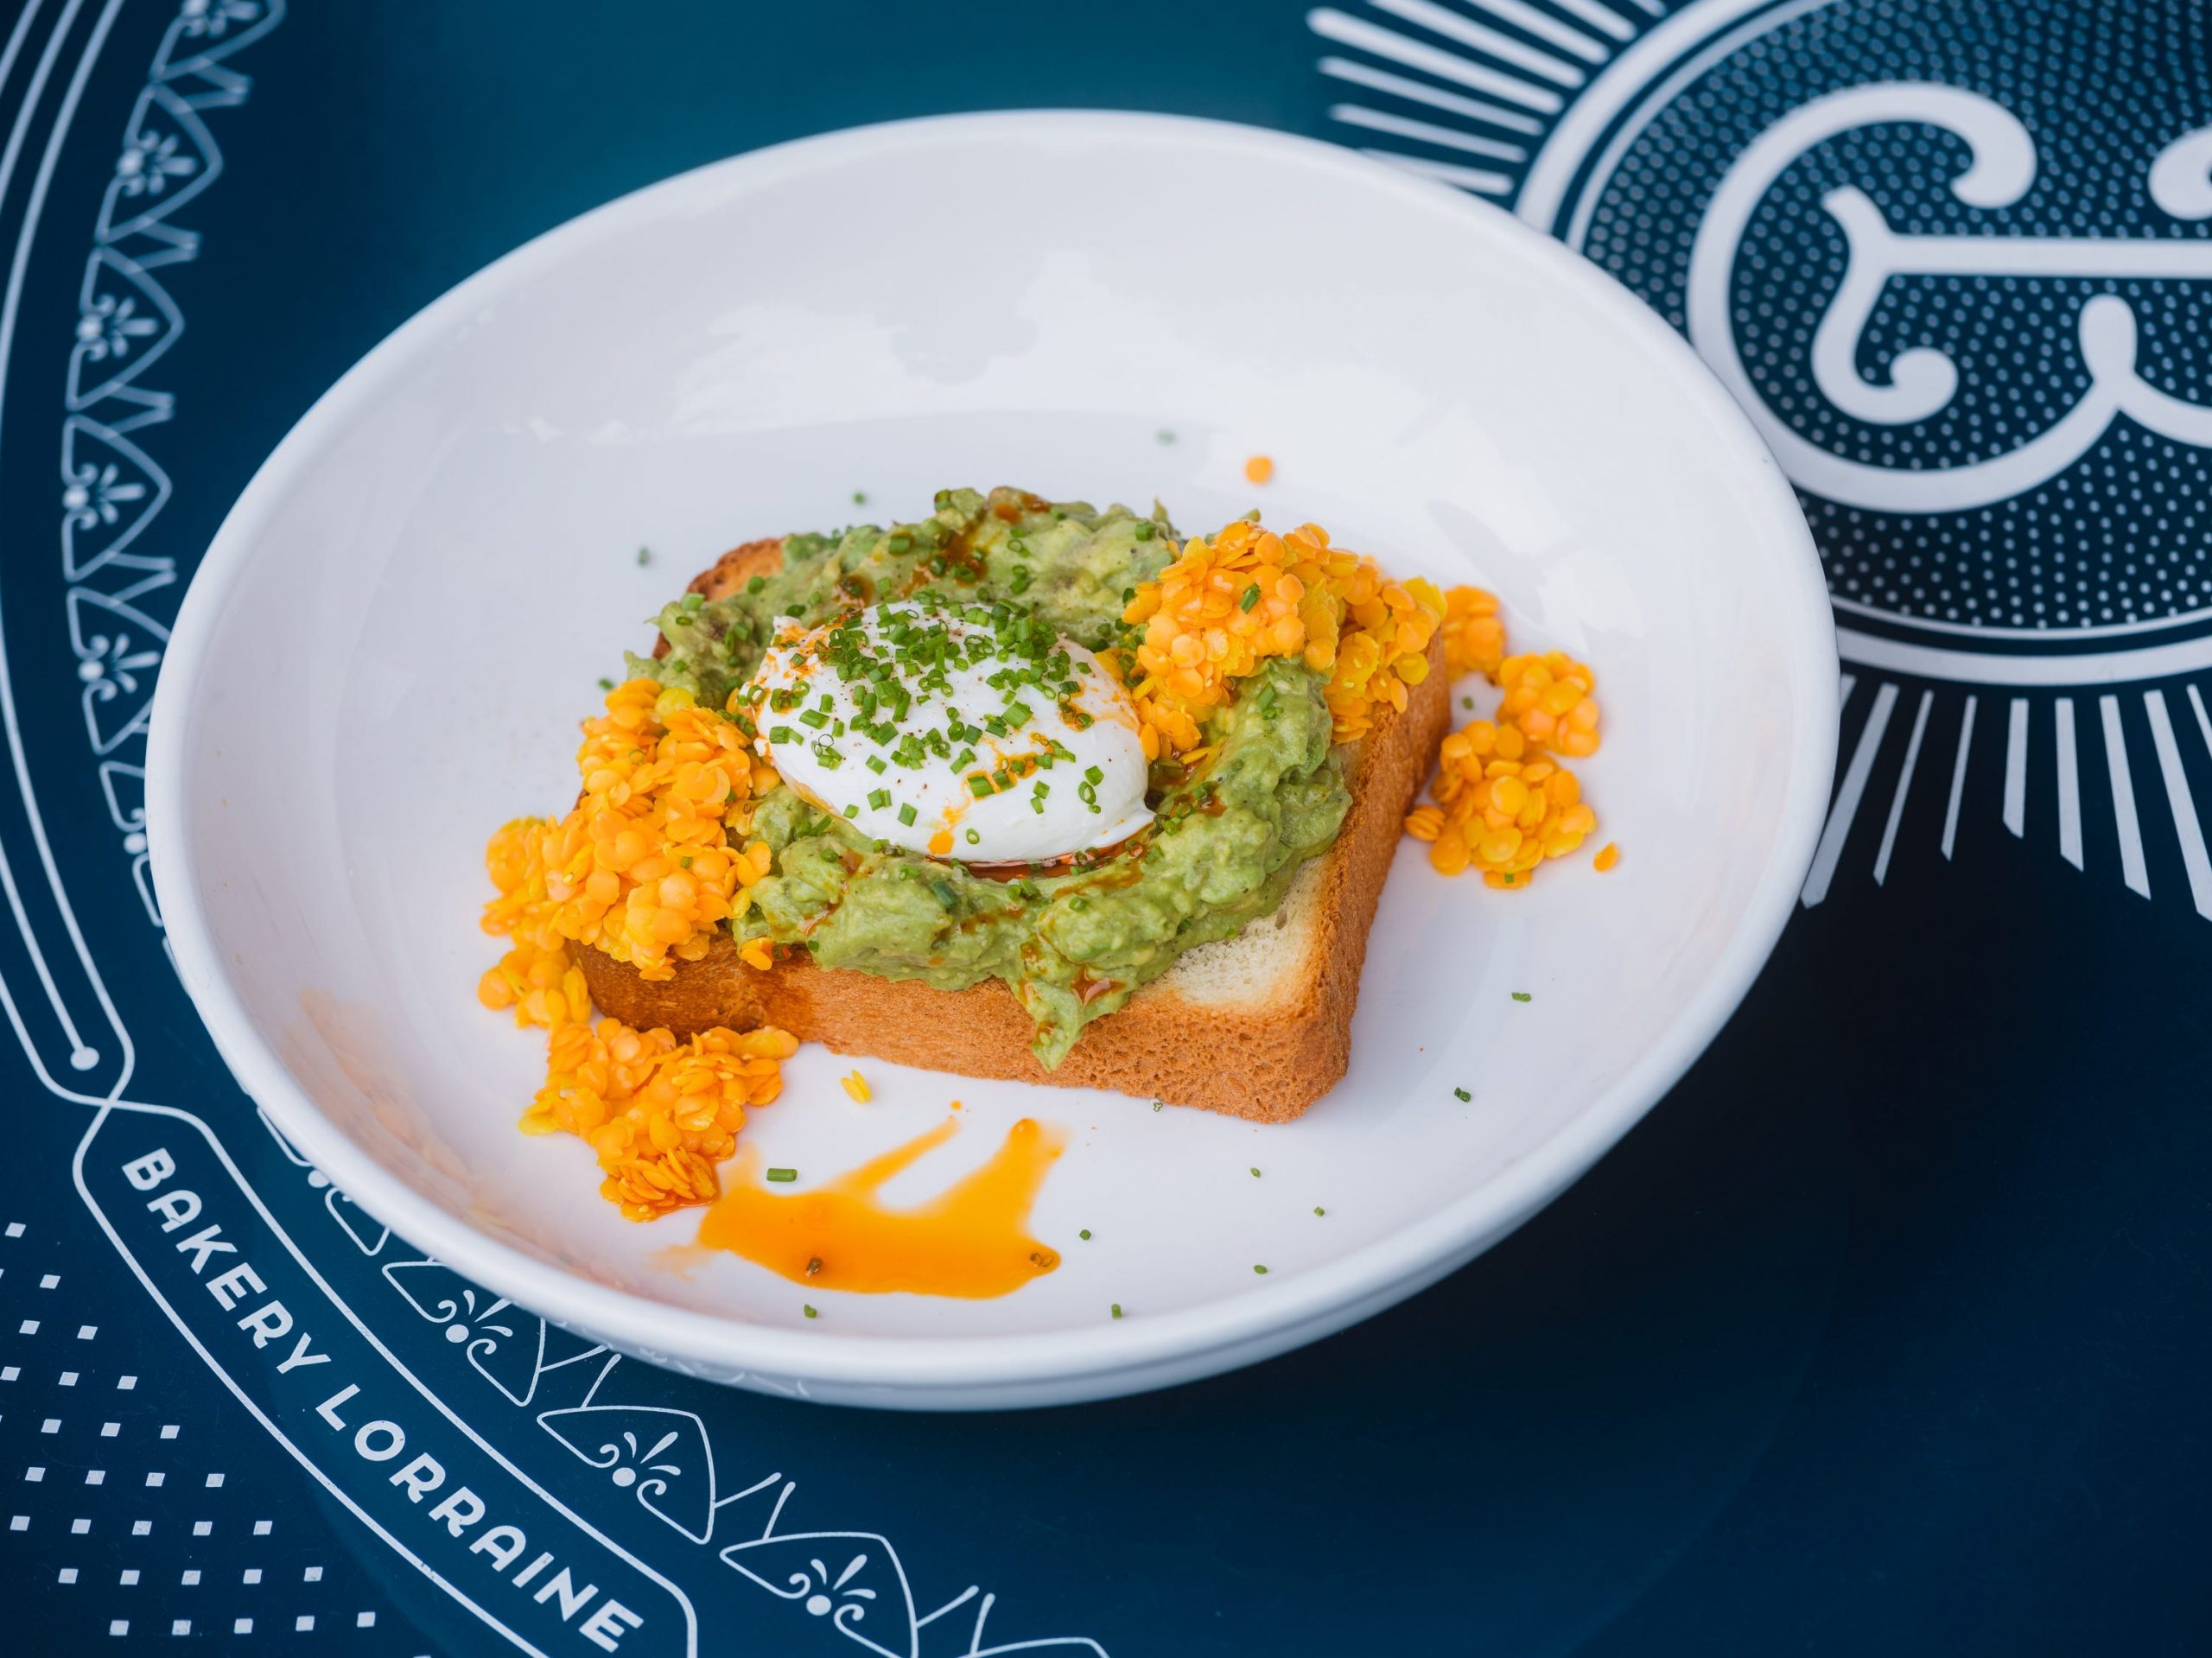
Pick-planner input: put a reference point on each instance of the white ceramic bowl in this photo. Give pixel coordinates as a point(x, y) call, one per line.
point(386, 650)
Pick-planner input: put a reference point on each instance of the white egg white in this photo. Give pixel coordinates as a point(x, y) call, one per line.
point(1091, 767)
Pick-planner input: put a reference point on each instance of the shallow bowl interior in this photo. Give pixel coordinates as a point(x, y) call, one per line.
point(389, 646)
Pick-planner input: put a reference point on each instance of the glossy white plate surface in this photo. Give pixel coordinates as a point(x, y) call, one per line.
point(389, 644)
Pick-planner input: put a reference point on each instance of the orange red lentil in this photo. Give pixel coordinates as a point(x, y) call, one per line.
point(643, 868)
point(1474, 633)
point(1226, 605)
point(1502, 801)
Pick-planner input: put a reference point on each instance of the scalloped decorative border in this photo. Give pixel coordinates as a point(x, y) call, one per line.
point(120, 601)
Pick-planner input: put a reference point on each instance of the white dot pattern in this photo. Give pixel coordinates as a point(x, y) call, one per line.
point(100, 1499)
point(2122, 538)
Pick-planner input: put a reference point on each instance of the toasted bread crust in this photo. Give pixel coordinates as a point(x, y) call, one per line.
point(1268, 1060)
point(721, 579)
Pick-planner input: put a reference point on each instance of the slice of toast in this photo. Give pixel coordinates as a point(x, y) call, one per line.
point(1258, 1026)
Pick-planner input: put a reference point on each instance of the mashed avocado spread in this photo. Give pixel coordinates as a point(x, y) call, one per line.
point(1075, 938)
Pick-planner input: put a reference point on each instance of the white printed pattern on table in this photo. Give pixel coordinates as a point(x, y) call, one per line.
point(120, 592)
point(117, 1473)
point(1534, 104)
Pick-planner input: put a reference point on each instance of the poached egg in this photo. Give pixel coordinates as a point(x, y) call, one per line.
point(956, 729)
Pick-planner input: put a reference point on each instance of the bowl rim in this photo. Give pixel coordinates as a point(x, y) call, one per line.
point(1321, 1298)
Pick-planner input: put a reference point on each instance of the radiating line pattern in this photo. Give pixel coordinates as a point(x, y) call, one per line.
point(2070, 785)
point(1419, 92)
point(2015, 768)
point(1829, 853)
point(1905, 784)
point(1358, 115)
point(1959, 776)
point(2133, 869)
point(2035, 793)
point(1481, 78)
point(2188, 831)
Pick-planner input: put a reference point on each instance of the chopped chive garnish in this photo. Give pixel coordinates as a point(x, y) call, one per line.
point(814, 717)
point(979, 785)
point(756, 584)
point(1522, 995)
point(1463, 1095)
point(852, 811)
point(782, 734)
point(645, 555)
point(1251, 597)
point(974, 838)
point(1255, 1174)
point(944, 893)
point(878, 799)
point(1142, 529)
point(1156, 1105)
point(810, 1311)
point(1084, 1235)
point(906, 815)
point(607, 684)
point(782, 1175)
point(1318, 1209)
point(1258, 1268)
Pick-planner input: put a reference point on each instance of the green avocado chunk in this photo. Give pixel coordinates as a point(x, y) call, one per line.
point(1073, 942)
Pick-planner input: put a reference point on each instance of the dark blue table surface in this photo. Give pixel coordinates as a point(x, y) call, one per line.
point(1887, 1330)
